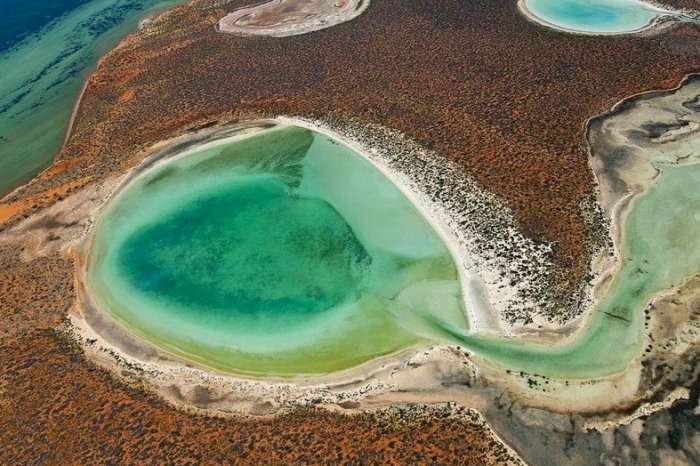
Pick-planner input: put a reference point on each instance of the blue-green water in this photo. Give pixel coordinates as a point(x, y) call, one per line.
point(22, 18)
point(595, 16)
point(48, 51)
point(261, 235)
point(660, 249)
point(285, 253)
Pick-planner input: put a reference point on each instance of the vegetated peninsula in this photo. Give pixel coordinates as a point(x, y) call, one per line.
point(438, 94)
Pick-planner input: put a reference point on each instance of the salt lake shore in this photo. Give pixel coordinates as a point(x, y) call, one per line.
point(281, 18)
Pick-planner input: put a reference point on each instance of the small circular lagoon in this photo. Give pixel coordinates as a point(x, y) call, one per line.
point(279, 253)
point(593, 16)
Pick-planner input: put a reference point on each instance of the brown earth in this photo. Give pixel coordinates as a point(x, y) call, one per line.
point(473, 80)
point(56, 409)
point(680, 4)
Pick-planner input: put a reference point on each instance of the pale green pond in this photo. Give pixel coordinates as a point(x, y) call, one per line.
point(285, 253)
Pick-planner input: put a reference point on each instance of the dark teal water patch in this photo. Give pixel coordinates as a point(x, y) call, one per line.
point(21, 18)
point(220, 254)
point(43, 69)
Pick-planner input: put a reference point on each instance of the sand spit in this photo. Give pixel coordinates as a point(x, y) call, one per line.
point(282, 18)
point(503, 274)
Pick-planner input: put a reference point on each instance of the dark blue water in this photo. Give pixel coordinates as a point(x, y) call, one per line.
point(47, 49)
point(23, 17)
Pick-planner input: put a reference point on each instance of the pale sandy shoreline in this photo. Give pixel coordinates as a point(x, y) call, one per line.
point(82, 246)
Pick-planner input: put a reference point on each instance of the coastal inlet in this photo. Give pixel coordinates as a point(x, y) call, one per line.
point(280, 251)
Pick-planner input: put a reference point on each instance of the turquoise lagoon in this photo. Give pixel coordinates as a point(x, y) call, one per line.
point(283, 253)
point(594, 16)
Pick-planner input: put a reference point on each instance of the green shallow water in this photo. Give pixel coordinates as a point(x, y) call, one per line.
point(285, 253)
point(262, 235)
point(660, 249)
